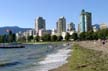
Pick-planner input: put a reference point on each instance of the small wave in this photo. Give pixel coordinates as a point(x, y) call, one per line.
point(55, 60)
point(8, 64)
point(52, 60)
point(61, 56)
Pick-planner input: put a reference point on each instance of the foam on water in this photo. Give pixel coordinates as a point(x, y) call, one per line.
point(60, 56)
point(53, 60)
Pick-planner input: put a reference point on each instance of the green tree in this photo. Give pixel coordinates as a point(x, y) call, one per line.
point(67, 37)
point(74, 36)
point(89, 35)
point(60, 38)
point(22, 39)
point(95, 35)
point(54, 38)
point(82, 36)
point(103, 34)
point(37, 38)
point(1, 39)
point(30, 38)
point(4, 38)
point(10, 36)
point(14, 37)
point(46, 37)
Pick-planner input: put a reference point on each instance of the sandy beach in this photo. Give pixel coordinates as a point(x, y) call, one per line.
point(95, 45)
point(93, 52)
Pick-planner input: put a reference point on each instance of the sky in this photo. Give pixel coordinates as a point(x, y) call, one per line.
point(22, 13)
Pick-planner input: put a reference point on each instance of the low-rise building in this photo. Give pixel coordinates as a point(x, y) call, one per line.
point(19, 35)
point(63, 35)
point(96, 27)
point(43, 32)
point(103, 26)
point(54, 32)
point(71, 32)
point(24, 34)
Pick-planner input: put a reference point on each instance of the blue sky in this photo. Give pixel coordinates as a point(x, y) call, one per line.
point(23, 12)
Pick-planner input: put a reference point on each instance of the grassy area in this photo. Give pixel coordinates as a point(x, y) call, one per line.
point(83, 59)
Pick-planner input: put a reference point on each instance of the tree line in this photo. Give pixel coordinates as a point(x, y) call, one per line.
point(101, 34)
point(7, 38)
point(46, 37)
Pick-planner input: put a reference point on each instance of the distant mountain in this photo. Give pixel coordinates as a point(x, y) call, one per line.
point(14, 29)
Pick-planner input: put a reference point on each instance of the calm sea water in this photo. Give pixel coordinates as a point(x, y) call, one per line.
point(25, 59)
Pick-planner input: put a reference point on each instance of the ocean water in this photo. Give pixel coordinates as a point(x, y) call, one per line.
point(34, 57)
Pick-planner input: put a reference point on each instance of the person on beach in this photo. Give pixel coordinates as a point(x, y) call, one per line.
point(103, 43)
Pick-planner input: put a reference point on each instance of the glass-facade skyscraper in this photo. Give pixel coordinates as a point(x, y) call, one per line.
point(85, 21)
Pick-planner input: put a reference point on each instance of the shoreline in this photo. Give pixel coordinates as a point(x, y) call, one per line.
point(66, 60)
point(62, 58)
point(55, 60)
point(58, 42)
point(83, 58)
